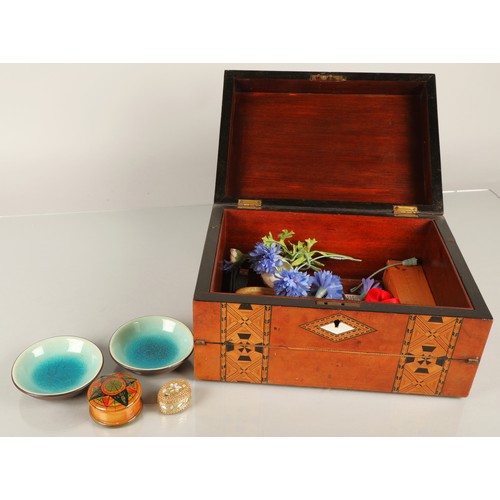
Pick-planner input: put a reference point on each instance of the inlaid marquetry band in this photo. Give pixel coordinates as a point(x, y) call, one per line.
point(245, 331)
point(426, 354)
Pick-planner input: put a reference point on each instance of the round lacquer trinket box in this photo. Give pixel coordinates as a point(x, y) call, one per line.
point(114, 399)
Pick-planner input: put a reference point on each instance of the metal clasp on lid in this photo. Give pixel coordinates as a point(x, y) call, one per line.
point(474, 361)
point(327, 78)
point(250, 204)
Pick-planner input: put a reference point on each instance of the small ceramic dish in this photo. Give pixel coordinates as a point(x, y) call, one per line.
point(151, 344)
point(57, 367)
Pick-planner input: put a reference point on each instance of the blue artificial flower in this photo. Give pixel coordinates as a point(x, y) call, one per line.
point(327, 285)
point(367, 284)
point(293, 283)
point(265, 259)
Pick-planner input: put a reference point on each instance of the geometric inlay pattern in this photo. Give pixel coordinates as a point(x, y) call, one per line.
point(337, 327)
point(426, 354)
point(112, 392)
point(245, 331)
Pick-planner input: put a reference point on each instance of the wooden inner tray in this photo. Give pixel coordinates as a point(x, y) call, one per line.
point(374, 239)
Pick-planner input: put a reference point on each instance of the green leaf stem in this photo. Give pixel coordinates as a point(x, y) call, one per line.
point(301, 254)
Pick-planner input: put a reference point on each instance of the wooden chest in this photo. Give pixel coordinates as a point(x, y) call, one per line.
point(351, 160)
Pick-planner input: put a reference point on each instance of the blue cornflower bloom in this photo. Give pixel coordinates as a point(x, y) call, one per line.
point(293, 283)
point(265, 259)
point(367, 284)
point(327, 285)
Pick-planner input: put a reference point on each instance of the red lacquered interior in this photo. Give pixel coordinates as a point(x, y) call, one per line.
point(352, 141)
point(370, 238)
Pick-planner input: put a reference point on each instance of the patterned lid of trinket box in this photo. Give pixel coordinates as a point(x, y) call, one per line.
point(114, 399)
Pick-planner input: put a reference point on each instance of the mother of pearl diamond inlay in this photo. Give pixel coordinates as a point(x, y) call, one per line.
point(337, 327)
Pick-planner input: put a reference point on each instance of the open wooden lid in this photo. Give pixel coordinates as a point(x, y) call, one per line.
point(356, 141)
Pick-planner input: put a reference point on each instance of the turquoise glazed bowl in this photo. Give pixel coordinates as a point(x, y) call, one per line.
point(151, 344)
point(57, 367)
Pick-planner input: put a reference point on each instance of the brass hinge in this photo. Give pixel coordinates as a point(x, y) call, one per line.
point(473, 361)
point(200, 342)
point(250, 204)
point(327, 78)
point(405, 211)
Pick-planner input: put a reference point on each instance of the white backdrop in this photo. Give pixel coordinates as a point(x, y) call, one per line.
point(92, 137)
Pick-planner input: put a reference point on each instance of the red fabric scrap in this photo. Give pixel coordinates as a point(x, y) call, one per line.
point(379, 295)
